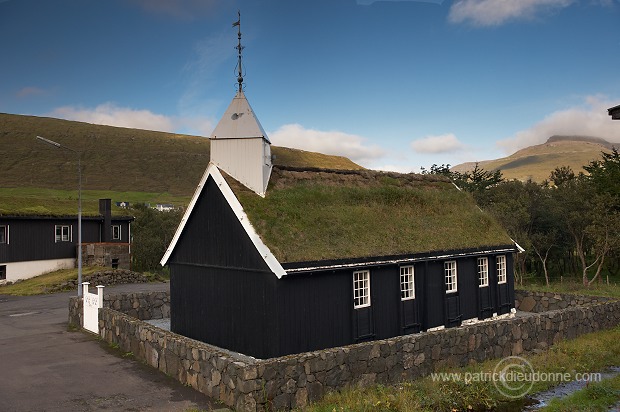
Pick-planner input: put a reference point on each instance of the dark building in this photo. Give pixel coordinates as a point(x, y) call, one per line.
point(614, 112)
point(299, 260)
point(31, 245)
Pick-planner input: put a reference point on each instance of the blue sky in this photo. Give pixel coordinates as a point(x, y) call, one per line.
point(391, 84)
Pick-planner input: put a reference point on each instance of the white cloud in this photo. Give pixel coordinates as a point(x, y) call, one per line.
point(444, 143)
point(332, 142)
point(30, 91)
point(111, 115)
point(209, 55)
point(591, 119)
point(399, 168)
point(496, 12)
point(369, 2)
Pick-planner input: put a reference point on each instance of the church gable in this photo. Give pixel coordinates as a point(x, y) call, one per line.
point(214, 236)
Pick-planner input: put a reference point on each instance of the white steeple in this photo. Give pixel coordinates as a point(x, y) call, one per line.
point(239, 145)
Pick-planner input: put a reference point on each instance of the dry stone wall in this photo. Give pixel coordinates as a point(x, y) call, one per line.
point(249, 384)
point(106, 278)
point(142, 306)
point(537, 302)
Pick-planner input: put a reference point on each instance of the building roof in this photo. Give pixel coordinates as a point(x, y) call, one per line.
point(239, 121)
point(310, 216)
point(614, 112)
point(65, 217)
point(315, 215)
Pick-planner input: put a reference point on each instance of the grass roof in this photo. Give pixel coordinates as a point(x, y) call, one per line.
point(311, 215)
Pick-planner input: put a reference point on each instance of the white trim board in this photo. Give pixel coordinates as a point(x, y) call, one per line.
point(213, 171)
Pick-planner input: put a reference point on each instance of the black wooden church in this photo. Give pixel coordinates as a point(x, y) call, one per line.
point(269, 260)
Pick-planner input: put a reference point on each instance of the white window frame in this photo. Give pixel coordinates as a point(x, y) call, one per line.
point(361, 289)
point(407, 283)
point(501, 268)
point(64, 237)
point(451, 276)
point(4, 229)
point(118, 230)
point(483, 272)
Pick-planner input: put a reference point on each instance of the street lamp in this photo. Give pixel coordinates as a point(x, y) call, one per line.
point(79, 154)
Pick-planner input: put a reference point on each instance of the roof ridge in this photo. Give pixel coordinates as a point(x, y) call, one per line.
point(367, 173)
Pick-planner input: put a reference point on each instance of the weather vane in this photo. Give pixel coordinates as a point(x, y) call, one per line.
point(239, 49)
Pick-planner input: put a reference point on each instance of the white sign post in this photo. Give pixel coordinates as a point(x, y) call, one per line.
point(92, 303)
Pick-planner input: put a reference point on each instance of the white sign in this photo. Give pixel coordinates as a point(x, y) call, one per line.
point(92, 303)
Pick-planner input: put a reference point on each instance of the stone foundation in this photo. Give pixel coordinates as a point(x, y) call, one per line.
point(249, 384)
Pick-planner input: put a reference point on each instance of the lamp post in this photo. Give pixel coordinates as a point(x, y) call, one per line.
point(79, 154)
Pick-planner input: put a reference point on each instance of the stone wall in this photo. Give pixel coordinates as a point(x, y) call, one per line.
point(142, 306)
point(249, 384)
point(528, 301)
point(106, 255)
point(106, 278)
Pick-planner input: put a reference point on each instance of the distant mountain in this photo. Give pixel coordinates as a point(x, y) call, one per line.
point(115, 158)
point(537, 162)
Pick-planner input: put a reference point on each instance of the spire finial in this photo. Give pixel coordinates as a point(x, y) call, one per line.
point(239, 49)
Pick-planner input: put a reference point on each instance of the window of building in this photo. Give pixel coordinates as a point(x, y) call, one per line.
point(2, 272)
point(4, 234)
point(483, 272)
point(116, 232)
point(450, 271)
point(501, 269)
point(407, 287)
point(361, 289)
point(63, 233)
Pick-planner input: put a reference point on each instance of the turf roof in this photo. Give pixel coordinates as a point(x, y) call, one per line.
point(318, 214)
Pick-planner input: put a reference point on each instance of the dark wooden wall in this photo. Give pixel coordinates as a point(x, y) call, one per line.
point(231, 309)
point(33, 238)
point(221, 290)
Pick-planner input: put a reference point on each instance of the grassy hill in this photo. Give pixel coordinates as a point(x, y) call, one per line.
point(123, 164)
point(537, 162)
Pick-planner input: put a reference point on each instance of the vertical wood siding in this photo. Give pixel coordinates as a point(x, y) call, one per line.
point(34, 238)
point(213, 235)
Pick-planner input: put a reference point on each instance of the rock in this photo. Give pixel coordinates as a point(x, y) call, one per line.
point(527, 304)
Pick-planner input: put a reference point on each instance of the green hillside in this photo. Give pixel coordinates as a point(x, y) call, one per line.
point(124, 164)
point(537, 162)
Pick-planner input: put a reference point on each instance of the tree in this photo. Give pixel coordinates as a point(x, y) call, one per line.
point(561, 175)
point(474, 181)
point(605, 174)
point(480, 179)
point(152, 233)
point(602, 232)
point(591, 223)
point(509, 202)
point(546, 226)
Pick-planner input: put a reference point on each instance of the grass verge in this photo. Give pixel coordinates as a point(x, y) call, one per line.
point(588, 353)
point(51, 282)
point(42, 284)
point(574, 286)
point(598, 396)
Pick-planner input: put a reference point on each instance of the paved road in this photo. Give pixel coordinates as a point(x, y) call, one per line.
point(46, 367)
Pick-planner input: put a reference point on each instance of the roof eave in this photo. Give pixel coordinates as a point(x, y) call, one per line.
point(327, 265)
